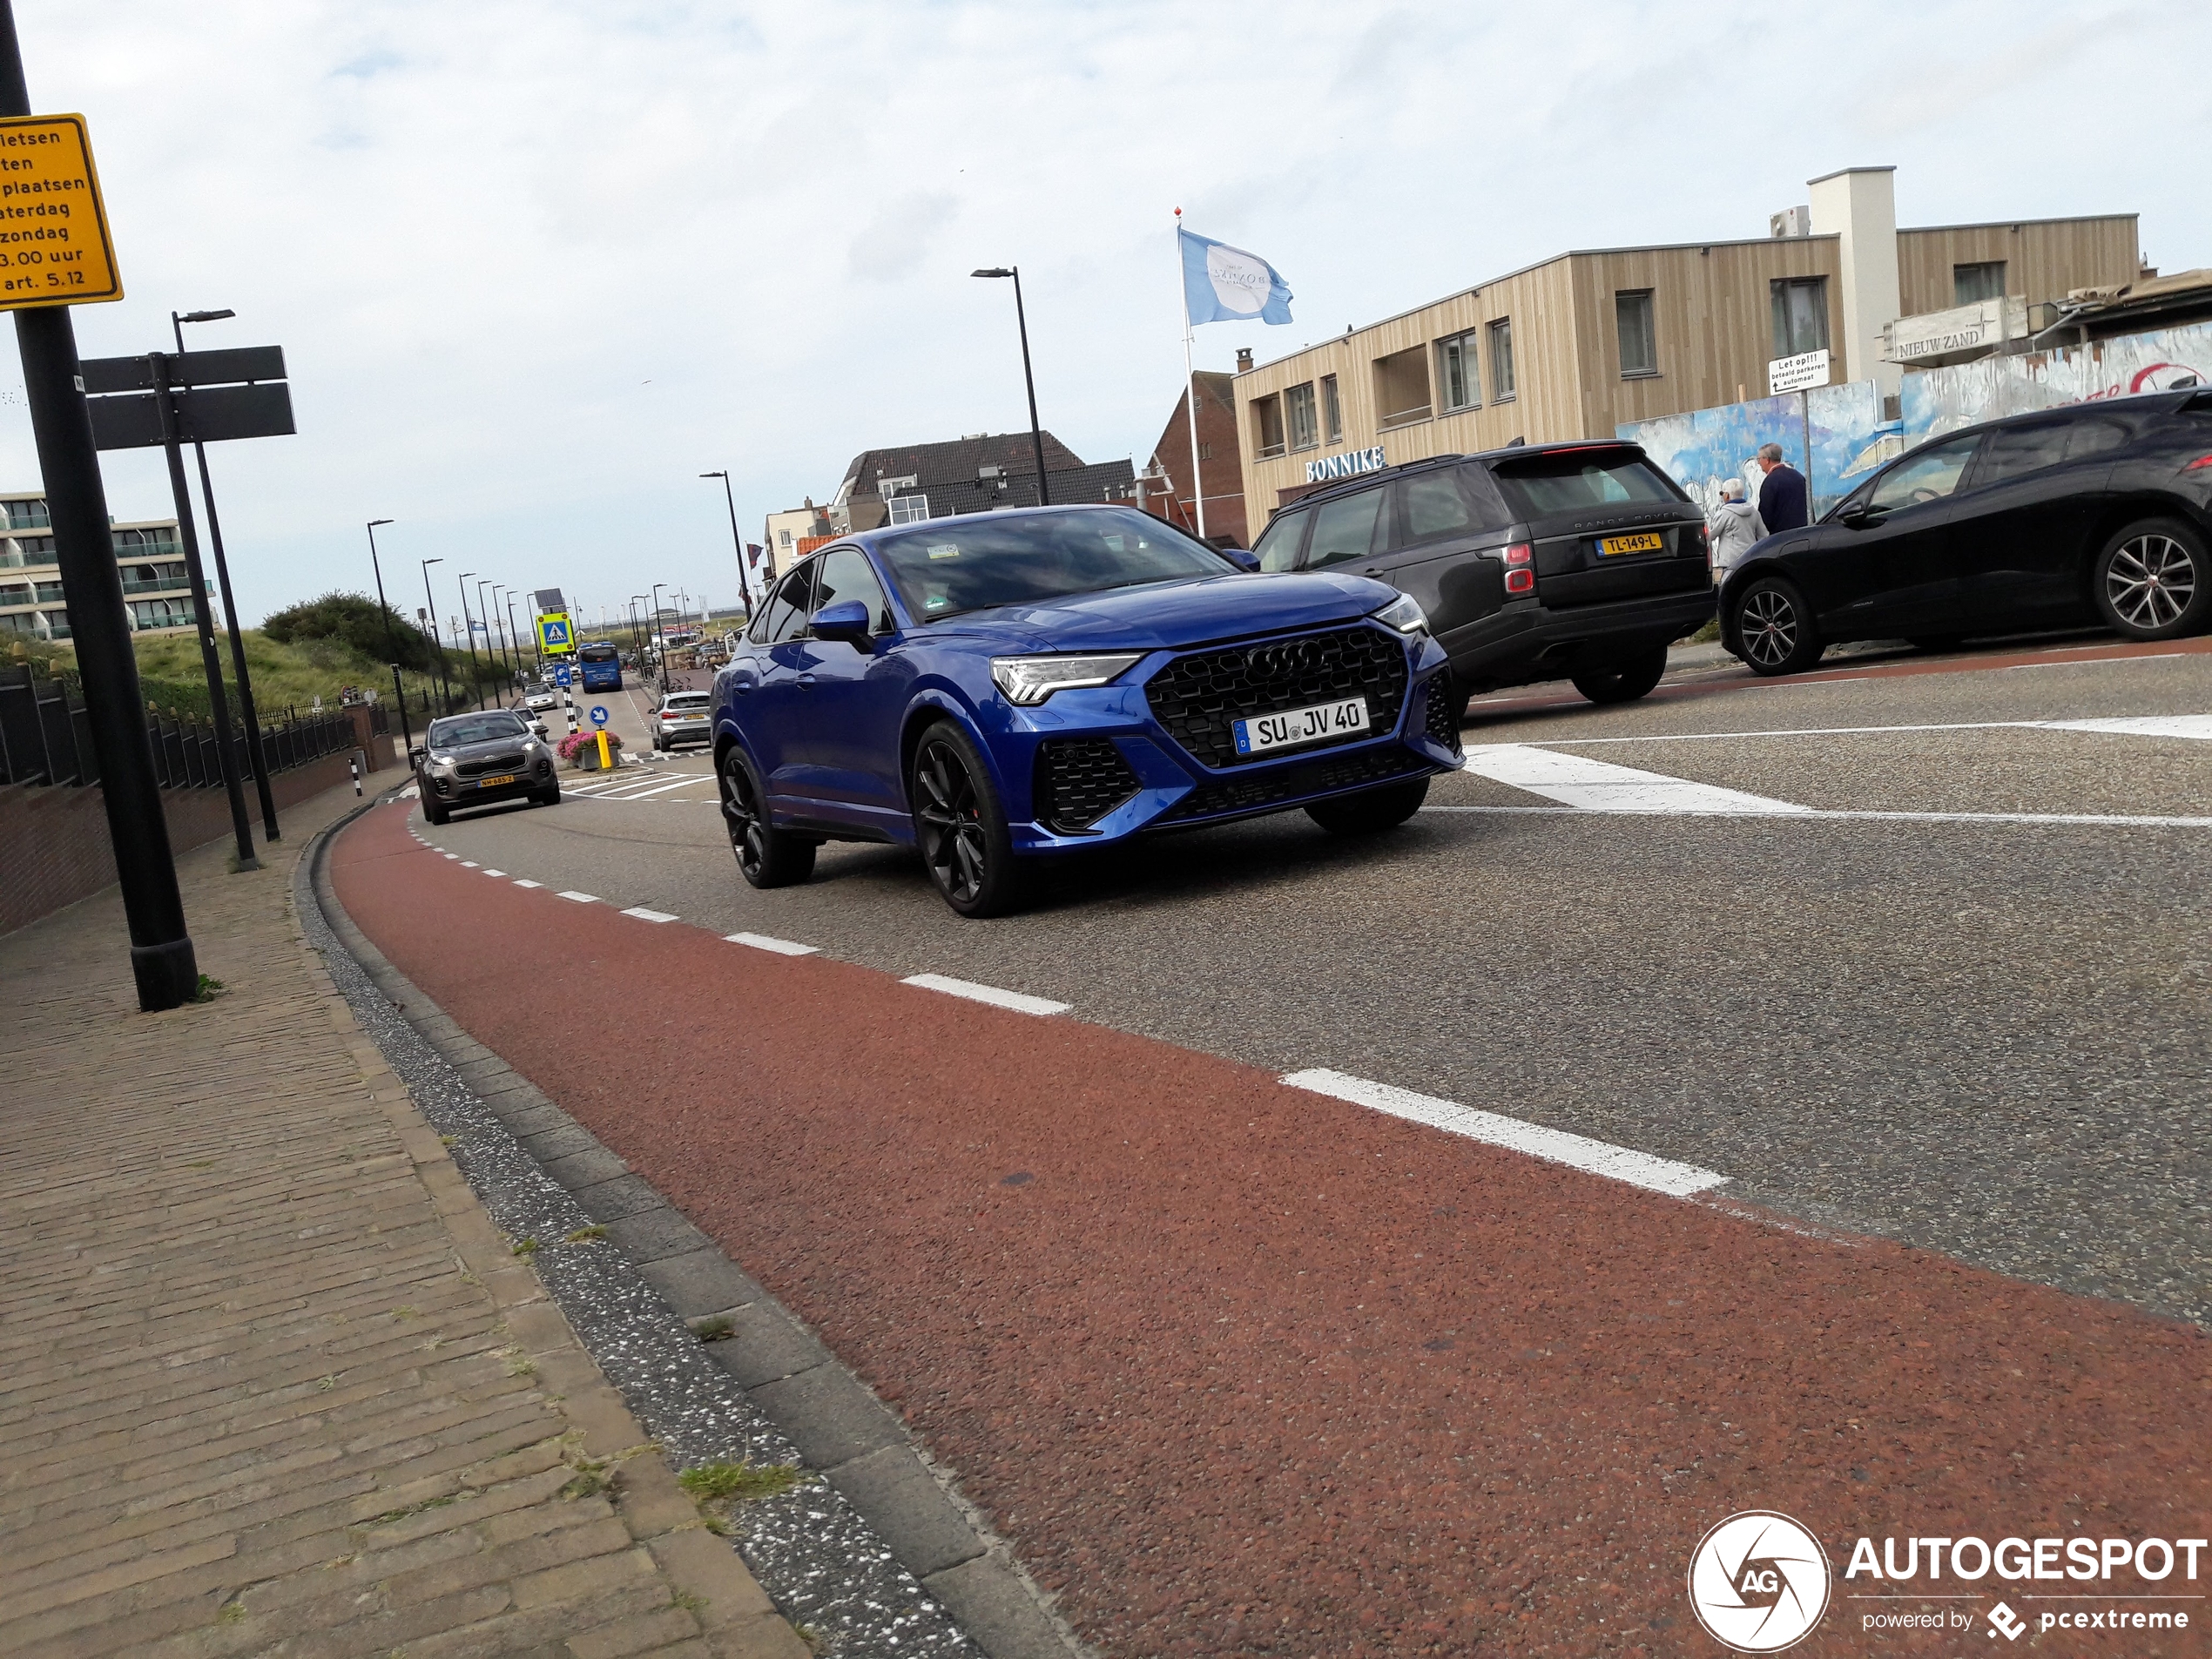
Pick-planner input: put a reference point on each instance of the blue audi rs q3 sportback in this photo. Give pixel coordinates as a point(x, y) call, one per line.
point(999, 688)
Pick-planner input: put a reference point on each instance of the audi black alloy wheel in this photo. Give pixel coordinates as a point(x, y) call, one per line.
point(961, 825)
point(767, 857)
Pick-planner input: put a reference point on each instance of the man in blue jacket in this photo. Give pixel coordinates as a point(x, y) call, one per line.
point(1781, 497)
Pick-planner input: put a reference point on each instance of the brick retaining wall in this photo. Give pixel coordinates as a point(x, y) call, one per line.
point(54, 846)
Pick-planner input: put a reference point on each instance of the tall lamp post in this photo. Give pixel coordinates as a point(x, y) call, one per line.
point(468, 631)
point(745, 587)
point(660, 640)
point(514, 638)
point(636, 642)
point(255, 756)
point(391, 634)
point(437, 644)
point(1036, 432)
point(485, 613)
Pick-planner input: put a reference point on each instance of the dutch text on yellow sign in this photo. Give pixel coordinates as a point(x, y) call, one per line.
point(54, 243)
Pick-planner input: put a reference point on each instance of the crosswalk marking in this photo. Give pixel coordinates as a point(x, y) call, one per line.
point(1600, 787)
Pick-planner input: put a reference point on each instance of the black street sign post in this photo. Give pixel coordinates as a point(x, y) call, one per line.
point(162, 959)
point(173, 399)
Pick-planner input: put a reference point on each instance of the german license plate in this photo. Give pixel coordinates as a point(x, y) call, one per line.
point(494, 782)
point(1265, 732)
point(1611, 547)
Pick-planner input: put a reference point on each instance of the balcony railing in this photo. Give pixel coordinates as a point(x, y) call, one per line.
point(1270, 451)
point(20, 516)
point(1404, 417)
point(165, 549)
point(25, 561)
point(179, 584)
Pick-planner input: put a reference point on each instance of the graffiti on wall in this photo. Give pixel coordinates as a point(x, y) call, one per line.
point(1936, 400)
point(1834, 434)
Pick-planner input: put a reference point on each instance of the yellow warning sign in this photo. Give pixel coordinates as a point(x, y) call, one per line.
point(54, 245)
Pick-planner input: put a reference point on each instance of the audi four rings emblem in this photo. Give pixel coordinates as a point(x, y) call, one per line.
point(1279, 662)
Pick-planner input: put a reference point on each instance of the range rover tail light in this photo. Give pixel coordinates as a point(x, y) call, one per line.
point(2199, 465)
point(1520, 568)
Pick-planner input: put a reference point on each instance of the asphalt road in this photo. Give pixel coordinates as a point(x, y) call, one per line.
point(1985, 1036)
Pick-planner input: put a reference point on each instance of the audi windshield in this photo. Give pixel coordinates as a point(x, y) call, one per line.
point(952, 565)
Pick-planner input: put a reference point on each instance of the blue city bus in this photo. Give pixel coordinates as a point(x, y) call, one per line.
point(602, 666)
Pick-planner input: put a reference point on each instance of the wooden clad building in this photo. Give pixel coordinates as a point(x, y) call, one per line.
point(1574, 346)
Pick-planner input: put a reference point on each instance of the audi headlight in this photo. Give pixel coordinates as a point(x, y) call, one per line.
point(1405, 615)
point(1026, 681)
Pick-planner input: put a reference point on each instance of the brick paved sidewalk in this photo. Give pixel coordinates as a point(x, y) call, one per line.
point(269, 1379)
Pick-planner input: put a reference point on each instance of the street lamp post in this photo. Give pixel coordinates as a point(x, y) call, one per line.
point(468, 632)
point(745, 587)
point(391, 634)
point(255, 754)
point(636, 642)
point(660, 640)
point(514, 637)
point(437, 644)
point(485, 613)
point(1022, 322)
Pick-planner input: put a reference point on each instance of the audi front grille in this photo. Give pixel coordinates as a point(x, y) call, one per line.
point(1199, 697)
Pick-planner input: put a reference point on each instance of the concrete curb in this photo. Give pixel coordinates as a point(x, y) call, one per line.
point(830, 1417)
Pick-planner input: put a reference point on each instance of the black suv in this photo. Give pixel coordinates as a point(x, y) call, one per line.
point(2097, 512)
point(1560, 561)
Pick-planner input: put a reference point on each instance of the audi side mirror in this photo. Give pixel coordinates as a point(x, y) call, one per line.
point(1243, 559)
point(846, 620)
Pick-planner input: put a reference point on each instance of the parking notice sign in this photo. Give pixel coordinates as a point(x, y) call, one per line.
point(54, 243)
point(553, 635)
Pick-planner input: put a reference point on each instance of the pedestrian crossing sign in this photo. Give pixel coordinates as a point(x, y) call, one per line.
point(553, 635)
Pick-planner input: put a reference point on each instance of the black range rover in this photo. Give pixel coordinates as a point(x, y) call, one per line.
point(1581, 561)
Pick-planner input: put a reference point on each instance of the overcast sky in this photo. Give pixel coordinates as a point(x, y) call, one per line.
point(536, 266)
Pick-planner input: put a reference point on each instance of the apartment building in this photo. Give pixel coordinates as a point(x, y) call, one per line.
point(157, 591)
point(1574, 346)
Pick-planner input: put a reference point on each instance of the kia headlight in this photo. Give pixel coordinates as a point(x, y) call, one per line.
point(1403, 614)
point(437, 760)
point(1026, 681)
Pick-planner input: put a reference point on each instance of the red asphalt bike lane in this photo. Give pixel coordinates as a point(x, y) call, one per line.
point(1240, 1369)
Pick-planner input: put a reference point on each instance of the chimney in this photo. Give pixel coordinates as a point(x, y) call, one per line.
point(1858, 207)
point(1243, 360)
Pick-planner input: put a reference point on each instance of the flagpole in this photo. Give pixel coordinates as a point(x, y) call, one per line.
point(1189, 387)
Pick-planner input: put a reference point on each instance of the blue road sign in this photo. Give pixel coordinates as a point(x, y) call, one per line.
point(561, 676)
point(598, 714)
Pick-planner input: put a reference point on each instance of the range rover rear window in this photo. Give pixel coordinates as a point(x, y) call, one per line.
point(1576, 480)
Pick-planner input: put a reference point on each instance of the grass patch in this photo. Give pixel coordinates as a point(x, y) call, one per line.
point(586, 1235)
point(209, 988)
point(526, 1247)
point(585, 1483)
point(689, 1602)
point(739, 1482)
point(713, 1330)
point(1708, 634)
point(231, 1613)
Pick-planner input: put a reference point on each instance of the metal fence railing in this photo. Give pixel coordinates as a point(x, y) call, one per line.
point(45, 737)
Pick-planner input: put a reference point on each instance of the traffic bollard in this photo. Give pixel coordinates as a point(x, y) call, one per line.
point(354, 767)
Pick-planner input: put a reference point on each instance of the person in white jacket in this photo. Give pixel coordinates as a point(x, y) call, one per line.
point(1732, 529)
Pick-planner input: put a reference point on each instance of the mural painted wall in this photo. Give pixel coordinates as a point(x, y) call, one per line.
point(1834, 434)
point(1938, 401)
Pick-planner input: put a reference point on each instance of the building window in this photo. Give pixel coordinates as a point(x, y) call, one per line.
point(1800, 315)
point(1639, 335)
point(909, 510)
point(1970, 284)
point(161, 613)
point(1501, 380)
point(26, 514)
point(162, 539)
point(1205, 452)
point(1460, 371)
point(783, 538)
point(1331, 410)
point(47, 593)
point(1402, 388)
point(1299, 414)
point(1267, 428)
point(21, 622)
point(26, 549)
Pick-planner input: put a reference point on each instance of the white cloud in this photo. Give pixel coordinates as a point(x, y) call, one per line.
point(536, 265)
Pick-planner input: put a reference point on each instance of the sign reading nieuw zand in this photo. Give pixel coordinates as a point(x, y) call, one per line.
point(54, 245)
point(1345, 466)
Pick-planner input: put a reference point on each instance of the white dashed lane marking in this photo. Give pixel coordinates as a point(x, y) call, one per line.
point(644, 914)
point(582, 897)
point(520, 882)
point(1015, 999)
point(495, 872)
point(764, 941)
point(1552, 1145)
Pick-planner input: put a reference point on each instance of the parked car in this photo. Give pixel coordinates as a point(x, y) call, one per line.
point(2095, 513)
point(475, 760)
point(530, 718)
point(540, 701)
point(1005, 687)
point(682, 718)
point(1581, 561)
